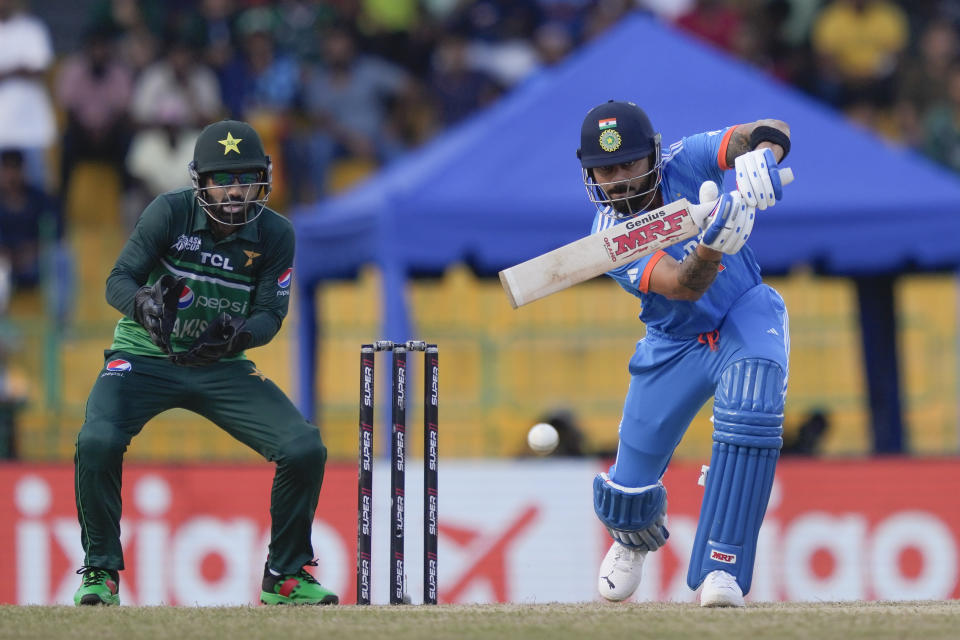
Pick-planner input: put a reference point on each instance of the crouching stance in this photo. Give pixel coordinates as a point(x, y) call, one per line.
point(713, 329)
point(218, 242)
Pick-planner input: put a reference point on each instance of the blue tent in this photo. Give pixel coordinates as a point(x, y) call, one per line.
point(505, 186)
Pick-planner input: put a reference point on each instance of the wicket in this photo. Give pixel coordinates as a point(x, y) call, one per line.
point(397, 468)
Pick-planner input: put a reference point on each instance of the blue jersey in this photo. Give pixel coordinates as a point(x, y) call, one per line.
point(686, 165)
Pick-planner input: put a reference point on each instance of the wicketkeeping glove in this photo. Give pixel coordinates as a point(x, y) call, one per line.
point(223, 337)
point(155, 307)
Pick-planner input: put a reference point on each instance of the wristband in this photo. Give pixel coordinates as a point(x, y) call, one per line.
point(764, 133)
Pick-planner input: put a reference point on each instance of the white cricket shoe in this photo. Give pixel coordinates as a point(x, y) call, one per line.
point(720, 589)
point(620, 572)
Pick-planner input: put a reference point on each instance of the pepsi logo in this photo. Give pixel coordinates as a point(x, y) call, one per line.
point(284, 280)
point(119, 365)
point(186, 298)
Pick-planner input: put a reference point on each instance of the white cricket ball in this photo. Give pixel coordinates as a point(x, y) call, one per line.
point(543, 438)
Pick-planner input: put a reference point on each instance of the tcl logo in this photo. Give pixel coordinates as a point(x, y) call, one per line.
point(728, 558)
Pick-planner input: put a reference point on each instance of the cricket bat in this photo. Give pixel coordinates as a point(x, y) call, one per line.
point(600, 252)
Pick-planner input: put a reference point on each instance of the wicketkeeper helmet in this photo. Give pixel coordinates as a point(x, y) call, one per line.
point(231, 146)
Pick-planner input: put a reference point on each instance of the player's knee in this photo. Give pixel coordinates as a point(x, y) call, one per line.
point(100, 441)
point(748, 408)
point(635, 517)
point(305, 451)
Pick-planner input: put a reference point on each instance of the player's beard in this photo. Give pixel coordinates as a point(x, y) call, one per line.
point(634, 198)
point(232, 217)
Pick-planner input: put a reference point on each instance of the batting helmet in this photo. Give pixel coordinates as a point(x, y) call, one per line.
point(614, 133)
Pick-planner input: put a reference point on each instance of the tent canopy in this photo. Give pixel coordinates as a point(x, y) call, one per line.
point(505, 185)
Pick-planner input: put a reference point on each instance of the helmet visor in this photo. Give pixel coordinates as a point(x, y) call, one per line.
point(233, 198)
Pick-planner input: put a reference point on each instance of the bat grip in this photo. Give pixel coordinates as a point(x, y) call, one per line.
point(786, 175)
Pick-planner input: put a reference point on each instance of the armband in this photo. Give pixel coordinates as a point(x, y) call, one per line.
point(769, 134)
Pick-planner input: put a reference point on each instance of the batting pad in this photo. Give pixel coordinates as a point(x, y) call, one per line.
point(748, 425)
point(634, 516)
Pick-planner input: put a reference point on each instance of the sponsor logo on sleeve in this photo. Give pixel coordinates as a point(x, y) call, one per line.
point(284, 282)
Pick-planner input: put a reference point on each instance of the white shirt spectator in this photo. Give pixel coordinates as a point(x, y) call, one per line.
point(159, 155)
point(160, 159)
point(201, 94)
point(26, 115)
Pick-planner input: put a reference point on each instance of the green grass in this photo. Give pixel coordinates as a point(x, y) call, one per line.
point(848, 621)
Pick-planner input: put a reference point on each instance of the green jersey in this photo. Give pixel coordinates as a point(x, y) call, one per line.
point(248, 273)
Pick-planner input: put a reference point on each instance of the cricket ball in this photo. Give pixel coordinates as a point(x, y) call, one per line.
point(543, 438)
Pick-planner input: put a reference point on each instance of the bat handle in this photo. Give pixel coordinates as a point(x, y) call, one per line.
point(786, 175)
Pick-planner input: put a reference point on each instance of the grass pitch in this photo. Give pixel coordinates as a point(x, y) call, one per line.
point(848, 621)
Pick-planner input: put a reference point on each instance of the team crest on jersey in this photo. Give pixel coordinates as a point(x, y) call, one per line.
point(284, 280)
point(610, 140)
point(186, 298)
point(116, 367)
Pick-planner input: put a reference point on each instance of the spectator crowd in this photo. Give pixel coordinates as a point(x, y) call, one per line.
point(340, 87)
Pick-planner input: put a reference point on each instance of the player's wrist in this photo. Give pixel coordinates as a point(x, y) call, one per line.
point(706, 254)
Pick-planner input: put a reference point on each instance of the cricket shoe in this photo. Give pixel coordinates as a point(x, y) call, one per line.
point(99, 586)
point(620, 572)
point(295, 588)
point(720, 589)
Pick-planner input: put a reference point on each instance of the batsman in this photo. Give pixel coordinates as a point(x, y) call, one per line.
point(204, 276)
point(713, 329)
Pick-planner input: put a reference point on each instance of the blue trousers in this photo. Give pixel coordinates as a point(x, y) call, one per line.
point(672, 377)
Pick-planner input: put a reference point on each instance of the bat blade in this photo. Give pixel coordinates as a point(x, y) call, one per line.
point(598, 253)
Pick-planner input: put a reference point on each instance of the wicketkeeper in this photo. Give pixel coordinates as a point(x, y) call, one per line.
point(204, 276)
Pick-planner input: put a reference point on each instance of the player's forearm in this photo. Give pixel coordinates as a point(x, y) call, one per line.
point(698, 271)
point(739, 143)
point(121, 288)
point(262, 325)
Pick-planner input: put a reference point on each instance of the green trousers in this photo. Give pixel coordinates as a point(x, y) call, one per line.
point(234, 395)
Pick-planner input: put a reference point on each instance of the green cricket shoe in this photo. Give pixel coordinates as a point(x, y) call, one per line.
point(99, 586)
point(297, 588)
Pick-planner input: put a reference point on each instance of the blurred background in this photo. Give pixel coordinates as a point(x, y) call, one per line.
point(101, 100)
point(100, 104)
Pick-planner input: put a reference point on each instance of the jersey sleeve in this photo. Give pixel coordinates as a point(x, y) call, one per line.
point(702, 154)
point(635, 277)
point(140, 255)
point(628, 275)
point(271, 297)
